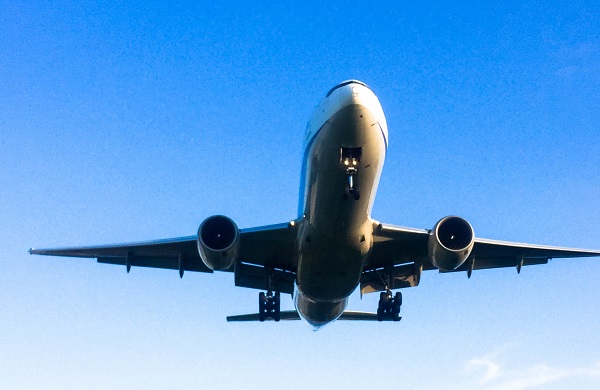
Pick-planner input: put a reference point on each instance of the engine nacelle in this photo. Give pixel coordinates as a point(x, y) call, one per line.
point(218, 242)
point(450, 243)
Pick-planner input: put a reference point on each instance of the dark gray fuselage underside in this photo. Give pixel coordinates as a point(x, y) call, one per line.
point(335, 236)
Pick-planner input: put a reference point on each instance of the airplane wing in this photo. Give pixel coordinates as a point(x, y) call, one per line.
point(400, 254)
point(262, 249)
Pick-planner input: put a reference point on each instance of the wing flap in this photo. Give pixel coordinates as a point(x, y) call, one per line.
point(402, 276)
point(257, 277)
point(189, 264)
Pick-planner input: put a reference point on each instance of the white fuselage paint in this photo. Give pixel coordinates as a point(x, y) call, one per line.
point(335, 234)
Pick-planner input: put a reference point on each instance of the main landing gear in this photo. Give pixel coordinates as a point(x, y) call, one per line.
point(269, 306)
point(389, 306)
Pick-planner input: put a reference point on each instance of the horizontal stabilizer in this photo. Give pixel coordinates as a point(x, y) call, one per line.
point(361, 316)
point(289, 315)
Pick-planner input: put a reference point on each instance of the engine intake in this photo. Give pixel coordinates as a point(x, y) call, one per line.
point(450, 243)
point(218, 242)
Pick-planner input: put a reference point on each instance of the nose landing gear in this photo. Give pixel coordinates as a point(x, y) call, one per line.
point(350, 160)
point(351, 188)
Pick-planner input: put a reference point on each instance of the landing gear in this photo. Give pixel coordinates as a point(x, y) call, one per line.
point(269, 305)
point(350, 160)
point(351, 189)
point(389, 306)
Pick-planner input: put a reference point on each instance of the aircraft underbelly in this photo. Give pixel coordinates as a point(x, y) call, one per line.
point(336, 234)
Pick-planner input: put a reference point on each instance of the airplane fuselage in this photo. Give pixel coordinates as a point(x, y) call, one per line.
point(344, 152)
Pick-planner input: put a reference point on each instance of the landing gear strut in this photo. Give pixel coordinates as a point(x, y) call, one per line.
point(269, 303)
point(351, 187)
point(389, 306)
point(269, 306)
point(350, 160)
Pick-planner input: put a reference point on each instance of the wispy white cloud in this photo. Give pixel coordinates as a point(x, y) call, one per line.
point(539, 375)
point(492, 372)
point(580, 59)
point(492, 369)
point(498, 376)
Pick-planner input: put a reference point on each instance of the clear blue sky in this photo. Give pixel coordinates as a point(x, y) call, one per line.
point(124, 121)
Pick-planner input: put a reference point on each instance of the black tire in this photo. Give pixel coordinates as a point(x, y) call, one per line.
point(386, 303)
point(398, 299)
point(383, 301)
point(262, 307)
point(346, 191)
point(380, 314)
point(277, 306)
point(356, 193)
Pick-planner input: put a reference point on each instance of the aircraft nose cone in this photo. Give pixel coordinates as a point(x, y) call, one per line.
point(352, 93)
point(346, 83)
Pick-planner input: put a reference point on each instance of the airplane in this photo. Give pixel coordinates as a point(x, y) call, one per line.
point(333, 246)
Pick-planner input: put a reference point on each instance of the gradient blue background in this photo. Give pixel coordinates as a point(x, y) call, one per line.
point(125, 121)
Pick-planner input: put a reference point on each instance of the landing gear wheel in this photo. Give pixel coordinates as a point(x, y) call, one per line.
point(356, 193)
point(346, 191)
point(384, 299)
point(398, 299)
point(396, 304)
point(262, 307)
point(276, 307)
point(269, 306)
point(389, 306)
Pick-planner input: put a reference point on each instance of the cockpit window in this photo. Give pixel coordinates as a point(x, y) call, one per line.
point(346, 83)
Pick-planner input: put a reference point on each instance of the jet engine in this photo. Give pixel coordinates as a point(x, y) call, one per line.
point(218, 242)
point(450, 243)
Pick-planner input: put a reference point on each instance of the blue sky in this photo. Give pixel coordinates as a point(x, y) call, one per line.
point(136, 120)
